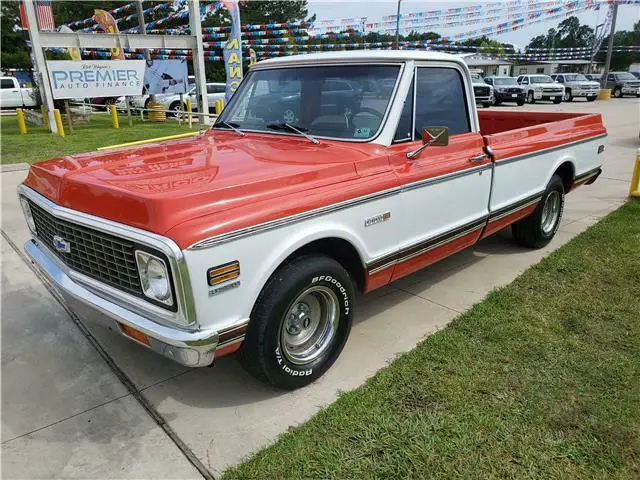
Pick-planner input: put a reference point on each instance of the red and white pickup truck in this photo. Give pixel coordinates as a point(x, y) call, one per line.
point(325, 174)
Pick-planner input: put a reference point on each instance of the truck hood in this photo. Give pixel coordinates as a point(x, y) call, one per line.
point(158, 186)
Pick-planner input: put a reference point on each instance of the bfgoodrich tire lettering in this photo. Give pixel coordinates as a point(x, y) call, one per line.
point(537, 229)
point(270, 352)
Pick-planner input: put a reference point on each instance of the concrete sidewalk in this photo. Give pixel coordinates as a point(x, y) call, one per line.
point(65, 413)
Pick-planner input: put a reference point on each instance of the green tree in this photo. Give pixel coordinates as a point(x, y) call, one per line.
point(12, 38)
point(622, 60)
point(568, 34)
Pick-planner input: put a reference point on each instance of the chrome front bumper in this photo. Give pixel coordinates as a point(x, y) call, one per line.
point(193, 348)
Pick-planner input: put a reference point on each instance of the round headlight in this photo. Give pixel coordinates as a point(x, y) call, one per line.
point(26, 208)
point(154, 277)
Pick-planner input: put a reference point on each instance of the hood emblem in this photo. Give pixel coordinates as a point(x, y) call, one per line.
point(61, 244)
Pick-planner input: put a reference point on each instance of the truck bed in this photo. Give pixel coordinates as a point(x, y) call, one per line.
point(517, 133)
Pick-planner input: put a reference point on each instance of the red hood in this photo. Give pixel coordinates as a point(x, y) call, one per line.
point(158, 186)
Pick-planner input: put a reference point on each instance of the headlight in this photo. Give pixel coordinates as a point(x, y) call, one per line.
point(154, 277)
point(26, 208)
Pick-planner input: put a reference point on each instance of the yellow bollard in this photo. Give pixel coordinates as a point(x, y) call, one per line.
point(22, 126)
point(604, 94)
point(45, 119)
point(114, 116)
point(218, 106)
point(634, 189)
point(189, 117)
point(59, 125)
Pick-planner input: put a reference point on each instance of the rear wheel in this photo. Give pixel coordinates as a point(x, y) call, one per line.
point(537, 230)
point(300, 322)
point(530, 98)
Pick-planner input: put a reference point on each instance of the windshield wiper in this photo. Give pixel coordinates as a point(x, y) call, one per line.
point(293, 128)
point(232, 126)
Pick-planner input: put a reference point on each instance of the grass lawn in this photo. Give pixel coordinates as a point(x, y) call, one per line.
point(541, 379)
point(38, 144)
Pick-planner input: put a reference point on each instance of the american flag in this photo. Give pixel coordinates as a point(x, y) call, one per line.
point(44, 15)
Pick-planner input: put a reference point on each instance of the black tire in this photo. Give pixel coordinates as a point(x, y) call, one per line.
point(176, 109)
point(617, 92)
point(263, 354)
point(530, 232)
point(496, 102)
point(591, 99)
point(568, 97)
point(558, 100)
point(486, 104)
point(530, 99)
point(520, 103)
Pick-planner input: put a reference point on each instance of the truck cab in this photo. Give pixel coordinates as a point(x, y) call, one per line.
point(14, 95)
point(255, 236)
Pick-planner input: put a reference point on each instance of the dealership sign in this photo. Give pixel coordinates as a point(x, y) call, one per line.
point(95, 78)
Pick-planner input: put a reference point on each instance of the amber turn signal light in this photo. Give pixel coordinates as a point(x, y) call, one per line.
point(223, 273)
point(134, 334)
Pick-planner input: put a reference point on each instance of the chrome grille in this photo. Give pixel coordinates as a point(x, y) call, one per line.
point(552, 90)
point(98, 255)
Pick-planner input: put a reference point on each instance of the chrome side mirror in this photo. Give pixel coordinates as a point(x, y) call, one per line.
point(437, 136)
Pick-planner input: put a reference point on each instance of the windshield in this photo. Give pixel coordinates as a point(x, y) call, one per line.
point(541, 79)
point(576, 78)
point(476, 77)
point(332, 101)
point(505, 81)
point(625, 76)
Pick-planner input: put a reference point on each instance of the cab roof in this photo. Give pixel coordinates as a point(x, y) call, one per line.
point(361, 55)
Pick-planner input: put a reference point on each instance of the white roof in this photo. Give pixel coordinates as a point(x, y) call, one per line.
point(360, 55)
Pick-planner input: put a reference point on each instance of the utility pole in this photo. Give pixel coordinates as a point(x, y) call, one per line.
point(197, 55)
point(607, 63)
point(398, 26)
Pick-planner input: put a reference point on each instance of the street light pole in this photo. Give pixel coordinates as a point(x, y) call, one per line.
point(398, 26)
point(607, 64)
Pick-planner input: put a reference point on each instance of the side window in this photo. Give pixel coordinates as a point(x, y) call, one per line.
point(559, 78)
point(611, 77)
point(219, 89)
point(6, 83)
point(405, 124)
point(440, 100)
point(525, 80)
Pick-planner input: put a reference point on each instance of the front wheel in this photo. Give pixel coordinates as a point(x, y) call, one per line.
point(567, 95)
point(591, 99)
point(617, 92)
point(520, 103)
point(486, 104)
point(300, 322)
point(530, 98)
point(558, 100)
point(537, 229)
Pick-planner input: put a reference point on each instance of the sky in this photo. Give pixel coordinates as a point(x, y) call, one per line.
point(374, 10)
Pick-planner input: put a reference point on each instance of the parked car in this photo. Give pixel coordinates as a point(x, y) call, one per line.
point(506, 89)
point(635, 74)
point(541, 87)
point(483, 92)
point(215, 91)
point(577, 85)
point(623, 83)
point(14, 95)
point(594, 77)
point(255, 235)
point(171, 101)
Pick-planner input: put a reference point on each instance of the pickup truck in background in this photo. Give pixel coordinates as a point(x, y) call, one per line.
point(482, 91)
point(541, 87)
point(14, 95)
point(577, 85)
point(254, 236)
point(623, 83)
point(506, 89)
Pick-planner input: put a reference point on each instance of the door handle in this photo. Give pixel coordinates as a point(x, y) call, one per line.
point(478, 158)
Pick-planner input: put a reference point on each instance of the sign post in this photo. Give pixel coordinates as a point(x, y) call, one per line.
point(38, 54)
point(197, 54)
point(233, 50)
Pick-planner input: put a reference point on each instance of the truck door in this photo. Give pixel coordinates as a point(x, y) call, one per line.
point(444, 204)
point(10, 96)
